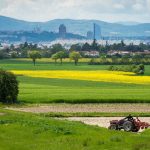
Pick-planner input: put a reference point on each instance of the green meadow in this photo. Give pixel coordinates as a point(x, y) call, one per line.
point(26, 131)
point(20, 131)
point(42, 90)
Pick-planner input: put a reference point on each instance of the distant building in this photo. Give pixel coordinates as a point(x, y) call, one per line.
point(37, 29)
point(97, 32)
point(91, 53)
point(114, 52)
point(62, 31)
point(90, 35)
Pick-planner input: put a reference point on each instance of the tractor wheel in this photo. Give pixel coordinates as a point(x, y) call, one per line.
point(135, 130)
point(113, 127)
point(128, 126)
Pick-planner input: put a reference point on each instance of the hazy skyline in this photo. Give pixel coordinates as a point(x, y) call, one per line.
point(106, 10)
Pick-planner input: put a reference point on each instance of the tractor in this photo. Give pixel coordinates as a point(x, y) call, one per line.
point(128, 124)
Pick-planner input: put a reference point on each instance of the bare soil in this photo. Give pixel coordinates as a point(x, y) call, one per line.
point(101, 121)
point(77, 108)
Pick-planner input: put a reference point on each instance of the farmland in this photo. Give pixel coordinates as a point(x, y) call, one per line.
point(85, 88)
point(35, 132)
point(48, 83)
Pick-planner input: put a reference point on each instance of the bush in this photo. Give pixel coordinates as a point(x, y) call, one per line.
point(137, 69)
point(8, 87)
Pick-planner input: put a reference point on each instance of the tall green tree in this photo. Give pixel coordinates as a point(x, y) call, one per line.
point(103, 58)
point(77, 47)
point(95, 45)
point(114, 59)
point(8, 87)
point(56, 48)
point(75, 56)
point(125, 59)
point(137, 59)
point(34, 55)
point(55, 57)
point(86, 47)
point(59, 55)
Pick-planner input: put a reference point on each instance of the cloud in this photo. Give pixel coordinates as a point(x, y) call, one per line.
point(107, 10)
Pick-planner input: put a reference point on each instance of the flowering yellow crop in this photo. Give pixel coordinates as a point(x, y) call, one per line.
point(106, 76)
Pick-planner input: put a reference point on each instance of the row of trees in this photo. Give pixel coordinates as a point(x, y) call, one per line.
point(75, 56)
point(107, 47)
point(46, 52)
point(136, 59)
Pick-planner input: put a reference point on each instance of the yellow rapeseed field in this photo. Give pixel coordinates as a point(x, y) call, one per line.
point(106, 76)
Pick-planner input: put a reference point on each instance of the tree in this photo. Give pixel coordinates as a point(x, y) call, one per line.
point(137, 59)
point(86, 47)
point(34, 55)
point(55, 57)
point(75, 56)
point(139, 69)
point(8, 87)
point(103, 58)
point(125, 59)
point(122, 43)
point(114, 59)
point(56, 48)
point(4, 54)
point(77, 47)
point(95, 45)
point(61, 55)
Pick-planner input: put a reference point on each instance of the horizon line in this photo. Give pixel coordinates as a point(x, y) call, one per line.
point(117, 22)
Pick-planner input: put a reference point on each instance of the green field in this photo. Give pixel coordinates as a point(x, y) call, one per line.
point(25, 131)
point(40, 90)
point(19, 131)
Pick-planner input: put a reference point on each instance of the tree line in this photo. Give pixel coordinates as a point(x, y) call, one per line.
point(22, 50)
point(123, 60)
point(75, 56)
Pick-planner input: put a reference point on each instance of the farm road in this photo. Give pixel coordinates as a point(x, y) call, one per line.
point(101, 121)
point(78, 108)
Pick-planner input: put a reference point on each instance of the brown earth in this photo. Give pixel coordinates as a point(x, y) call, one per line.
point(101, 121)
point(77, 108)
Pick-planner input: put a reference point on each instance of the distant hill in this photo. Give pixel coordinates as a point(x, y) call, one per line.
point(30, 36)
point(77, 26)
point(128, 23)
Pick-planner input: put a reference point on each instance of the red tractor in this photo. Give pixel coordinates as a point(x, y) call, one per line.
point(128, 124)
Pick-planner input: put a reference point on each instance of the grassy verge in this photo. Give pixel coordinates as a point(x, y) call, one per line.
point(34, 132)
point(95, 114)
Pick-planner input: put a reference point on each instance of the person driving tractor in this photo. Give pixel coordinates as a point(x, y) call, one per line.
point(129, 118)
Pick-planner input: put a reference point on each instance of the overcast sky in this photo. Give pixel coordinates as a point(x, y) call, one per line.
point(106, 10)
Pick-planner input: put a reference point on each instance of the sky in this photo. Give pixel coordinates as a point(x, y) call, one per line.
point(106, 10)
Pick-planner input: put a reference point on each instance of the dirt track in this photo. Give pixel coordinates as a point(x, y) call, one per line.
point(101, 121)
point(75, 108)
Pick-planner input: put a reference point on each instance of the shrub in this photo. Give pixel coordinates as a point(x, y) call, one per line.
point(8, 87)
point(138, 69)
point(111, 68)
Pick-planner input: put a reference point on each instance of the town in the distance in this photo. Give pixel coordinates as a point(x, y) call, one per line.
point(93, 40)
